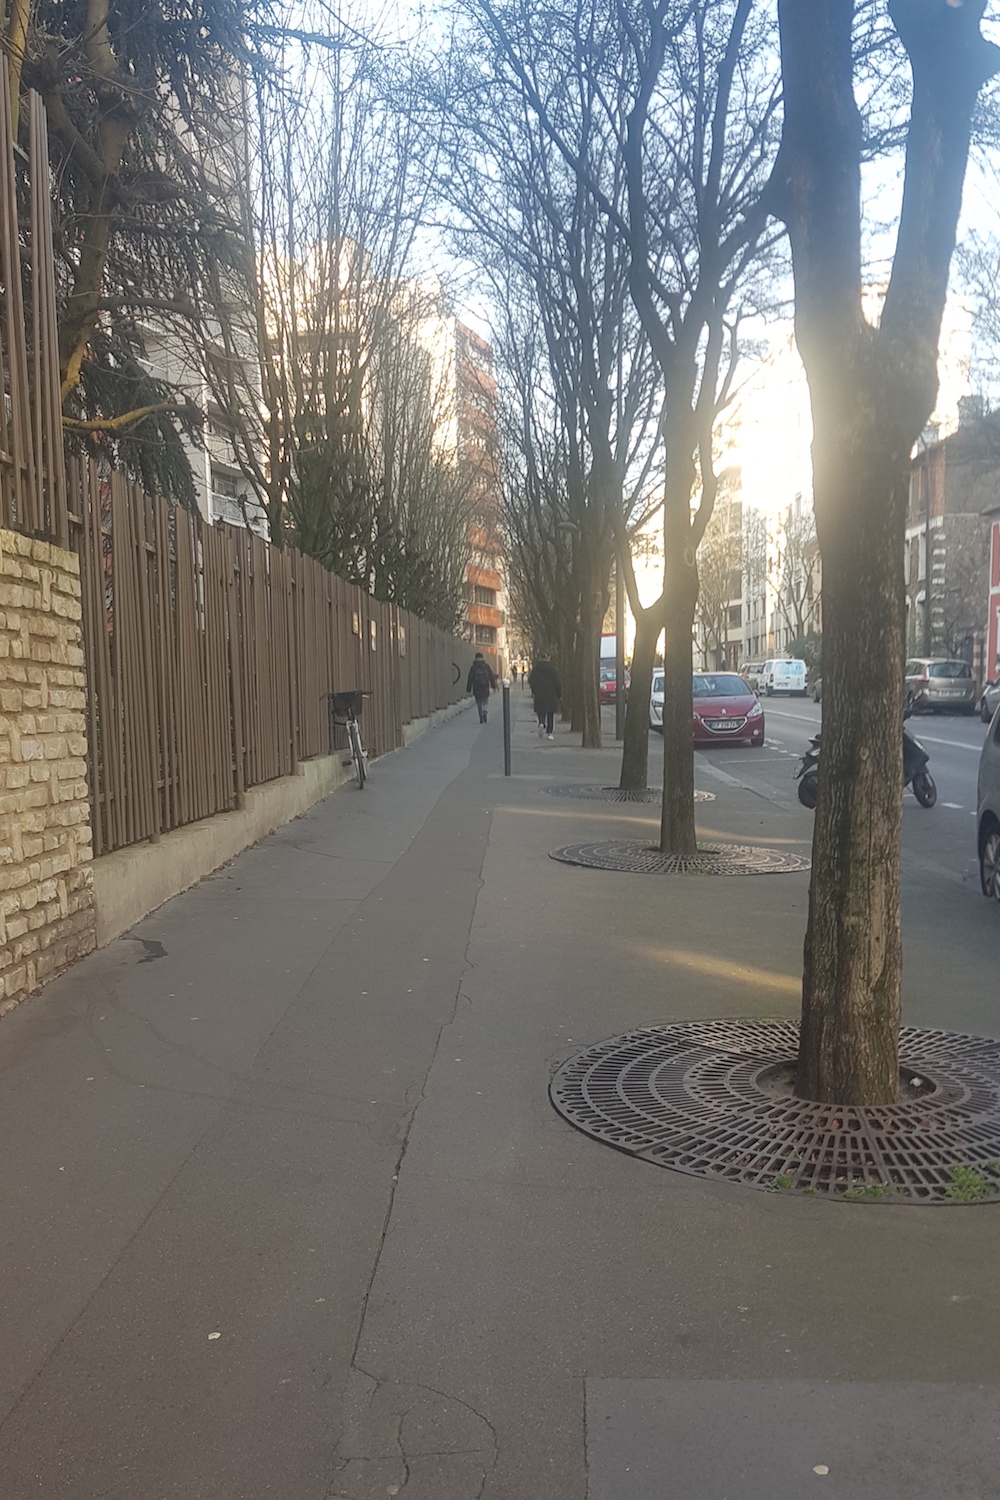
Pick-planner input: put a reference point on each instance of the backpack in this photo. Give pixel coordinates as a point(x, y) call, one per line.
point(481, 676)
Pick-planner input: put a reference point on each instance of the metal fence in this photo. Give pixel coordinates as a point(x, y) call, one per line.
point(210, 657)
point(32, 476)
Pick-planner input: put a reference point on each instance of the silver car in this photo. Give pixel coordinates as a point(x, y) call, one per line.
point(940, 683)
point(988, 813)
point(990, 701)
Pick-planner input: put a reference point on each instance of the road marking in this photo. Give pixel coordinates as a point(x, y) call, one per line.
point(952, 744)
point(956, 805)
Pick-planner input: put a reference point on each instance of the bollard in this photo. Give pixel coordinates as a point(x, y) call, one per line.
point(506, 726)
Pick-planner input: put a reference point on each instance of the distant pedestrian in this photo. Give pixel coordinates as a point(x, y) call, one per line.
point(482, 681)
point(513, 673)
point(543, 680)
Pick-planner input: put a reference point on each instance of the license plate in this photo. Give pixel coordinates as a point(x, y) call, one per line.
point(724, 724)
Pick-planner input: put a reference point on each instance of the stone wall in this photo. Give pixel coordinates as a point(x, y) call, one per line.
point(46, 895)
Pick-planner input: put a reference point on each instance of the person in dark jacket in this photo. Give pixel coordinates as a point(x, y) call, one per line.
point(482, 681)
point(543, 680)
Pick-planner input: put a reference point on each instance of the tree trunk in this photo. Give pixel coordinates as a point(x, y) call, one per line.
point(572, 708)
point(565, 659)
point(871, 392)
point(592, 613)
point(853, 954)
point(635, 749)
point(680, 574)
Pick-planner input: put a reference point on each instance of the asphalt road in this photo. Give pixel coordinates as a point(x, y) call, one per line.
point(948, 927)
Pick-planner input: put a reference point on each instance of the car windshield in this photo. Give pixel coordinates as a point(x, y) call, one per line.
point(658, 684)
point(949, 669)
point(719, 685)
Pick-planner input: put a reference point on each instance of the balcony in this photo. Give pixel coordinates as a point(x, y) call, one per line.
point(484, 614)
point(229, 510)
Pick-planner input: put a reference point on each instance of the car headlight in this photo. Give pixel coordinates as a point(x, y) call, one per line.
point(756, 711)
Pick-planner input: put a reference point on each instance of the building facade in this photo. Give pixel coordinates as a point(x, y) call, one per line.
point(478, 453)
point(947, 568)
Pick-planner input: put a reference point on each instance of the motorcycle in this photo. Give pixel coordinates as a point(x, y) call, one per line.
point(915, 772)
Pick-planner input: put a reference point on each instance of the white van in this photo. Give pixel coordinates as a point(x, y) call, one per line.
point(783, 677)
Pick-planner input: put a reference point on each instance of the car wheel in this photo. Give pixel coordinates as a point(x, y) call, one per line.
point(989, 863)
point(769, 691)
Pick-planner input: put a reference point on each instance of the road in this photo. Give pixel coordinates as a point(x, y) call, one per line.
point(944, 913)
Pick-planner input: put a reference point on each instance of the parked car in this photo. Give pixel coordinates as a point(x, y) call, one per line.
point(990, 701)
point(940, 683)
point(988, 813)
point(723, 708)
point(750, 672)
point(783, 676)
point(606, 688)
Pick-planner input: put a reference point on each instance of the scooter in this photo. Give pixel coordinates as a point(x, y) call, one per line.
point(915, 773)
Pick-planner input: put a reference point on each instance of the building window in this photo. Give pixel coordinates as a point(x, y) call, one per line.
point(735, 616)
point(485, 596)
point(486, 635)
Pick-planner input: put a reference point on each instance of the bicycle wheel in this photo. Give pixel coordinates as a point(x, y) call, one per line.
point(357, 753)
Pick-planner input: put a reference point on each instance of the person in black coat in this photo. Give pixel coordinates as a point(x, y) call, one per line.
point(543, 680)
point(481, 682)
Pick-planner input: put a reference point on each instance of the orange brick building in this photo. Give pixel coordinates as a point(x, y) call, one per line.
point(478, 452)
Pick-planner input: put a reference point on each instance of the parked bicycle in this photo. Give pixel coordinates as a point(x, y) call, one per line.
point(345, 713)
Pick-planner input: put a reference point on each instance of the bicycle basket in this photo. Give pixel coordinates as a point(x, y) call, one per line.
point(347, 705)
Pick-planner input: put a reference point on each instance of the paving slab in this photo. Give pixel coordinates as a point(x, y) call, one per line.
point(304, 1108)
point(782, 1440)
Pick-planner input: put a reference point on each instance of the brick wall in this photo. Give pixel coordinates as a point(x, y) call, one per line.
point(46, 898)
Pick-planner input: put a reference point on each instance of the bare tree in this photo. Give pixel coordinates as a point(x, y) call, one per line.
point(688, 93)
point(720, 579)
point(361, 452)
point(958, 605)
point(799, 570)
point(872, 390)
point(566, 334)
point(757, 554)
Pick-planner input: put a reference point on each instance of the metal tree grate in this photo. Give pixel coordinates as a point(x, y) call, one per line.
point(640, 858)
point(616, 794)
point(713, 1099)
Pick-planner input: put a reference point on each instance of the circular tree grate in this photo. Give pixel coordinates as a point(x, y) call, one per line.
point(640, 858)
point(615, 794)
point(714, 1099)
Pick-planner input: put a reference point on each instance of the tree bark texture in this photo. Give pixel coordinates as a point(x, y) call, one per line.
point(871, 391)
point(592, 611)
point(635, 747)
point(680, 580)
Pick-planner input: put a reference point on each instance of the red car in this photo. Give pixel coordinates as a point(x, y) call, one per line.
point(726, 709)
point(606, 688)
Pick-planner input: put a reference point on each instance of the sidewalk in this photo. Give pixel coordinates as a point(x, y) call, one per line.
point(303, 1107)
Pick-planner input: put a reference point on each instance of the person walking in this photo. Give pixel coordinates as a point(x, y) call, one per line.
point(543, 680)
point(482, 681)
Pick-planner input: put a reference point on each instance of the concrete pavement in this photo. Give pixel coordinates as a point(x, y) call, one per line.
point(287, 1211)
